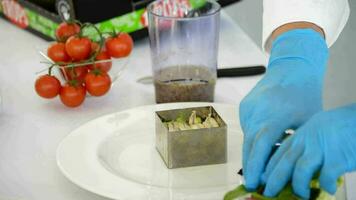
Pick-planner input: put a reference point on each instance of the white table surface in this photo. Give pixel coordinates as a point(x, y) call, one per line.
point(31, 128)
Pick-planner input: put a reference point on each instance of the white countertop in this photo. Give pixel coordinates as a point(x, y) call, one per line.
point(31, 128)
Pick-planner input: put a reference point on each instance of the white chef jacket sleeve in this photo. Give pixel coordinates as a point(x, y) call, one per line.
point(330, 15)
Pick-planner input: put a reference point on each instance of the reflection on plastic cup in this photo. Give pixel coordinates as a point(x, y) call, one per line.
point(184, 47)
point(0, 103)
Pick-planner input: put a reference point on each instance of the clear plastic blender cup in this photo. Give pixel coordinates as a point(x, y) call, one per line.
point(184, 48)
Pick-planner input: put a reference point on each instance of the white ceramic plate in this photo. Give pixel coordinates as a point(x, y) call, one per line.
point(115, 156)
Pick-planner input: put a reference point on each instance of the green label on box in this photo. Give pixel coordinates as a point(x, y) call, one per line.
point(126, 23)
point(129, 22)
point(197, 3)
point(25, 17)
point(41, 23)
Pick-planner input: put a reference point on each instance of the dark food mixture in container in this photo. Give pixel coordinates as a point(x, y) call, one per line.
point(184, 84)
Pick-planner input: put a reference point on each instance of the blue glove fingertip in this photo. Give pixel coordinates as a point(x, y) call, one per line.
point(250, 181)
point(251, 185)
point(302, 192)
point(329, 187)
point(270, 190)
point(273, 187)
point(268, 193)
point(328, 177)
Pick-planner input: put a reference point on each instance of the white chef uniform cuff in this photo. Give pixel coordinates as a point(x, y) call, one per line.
point(330, 15)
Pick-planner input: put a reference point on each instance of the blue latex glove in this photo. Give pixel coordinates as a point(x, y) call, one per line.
point(327, 142)
point(288, 95)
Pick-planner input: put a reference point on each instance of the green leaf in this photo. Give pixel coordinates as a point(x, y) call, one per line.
point(240, 191)
point(287, 193)
point(182, 117)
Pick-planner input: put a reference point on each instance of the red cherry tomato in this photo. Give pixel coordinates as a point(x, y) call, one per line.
point(72, 96)
point(78, 48)
point(119, 46)
point(65, 30)
point(58, 53)
point(76, 73)
point(97, 83)
point(47, 86)
point(104, 66)
point(94, 47)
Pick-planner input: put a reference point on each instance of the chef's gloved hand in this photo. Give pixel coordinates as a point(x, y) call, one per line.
point(288, 95)
point(326, 143)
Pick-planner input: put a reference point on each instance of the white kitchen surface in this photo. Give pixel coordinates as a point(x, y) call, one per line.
point(31, 128)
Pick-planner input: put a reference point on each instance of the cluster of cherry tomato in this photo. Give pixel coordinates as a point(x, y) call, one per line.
point(83, 63)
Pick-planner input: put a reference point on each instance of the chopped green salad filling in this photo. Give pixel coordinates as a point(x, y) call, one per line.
point(287, 193)
point(181, 123)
